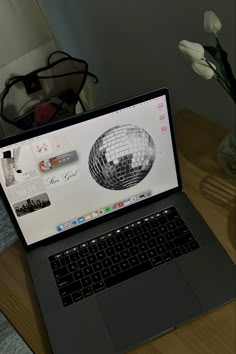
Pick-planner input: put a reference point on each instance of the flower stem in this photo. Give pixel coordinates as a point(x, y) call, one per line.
point(217, 74)
point(221, 81)
point(225, 88)
point(222, 63)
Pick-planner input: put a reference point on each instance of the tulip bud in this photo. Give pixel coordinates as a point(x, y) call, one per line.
point(212, 23)
point(203, 69)
point(192, 51)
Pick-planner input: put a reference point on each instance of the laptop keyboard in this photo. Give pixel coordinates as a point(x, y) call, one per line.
point(123, 253)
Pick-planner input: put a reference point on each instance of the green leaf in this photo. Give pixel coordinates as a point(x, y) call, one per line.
point(222, 58)
point(210, 50)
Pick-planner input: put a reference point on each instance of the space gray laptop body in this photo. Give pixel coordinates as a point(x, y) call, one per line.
point(109, 179)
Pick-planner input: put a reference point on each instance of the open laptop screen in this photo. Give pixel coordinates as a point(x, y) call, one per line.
point(72, 175)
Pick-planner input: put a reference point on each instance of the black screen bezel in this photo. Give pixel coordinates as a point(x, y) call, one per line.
point(74, 120)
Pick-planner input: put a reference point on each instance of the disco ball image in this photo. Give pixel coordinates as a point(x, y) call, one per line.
point(121, 157)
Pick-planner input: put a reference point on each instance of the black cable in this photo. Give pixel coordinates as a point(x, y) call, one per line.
point(13, 80)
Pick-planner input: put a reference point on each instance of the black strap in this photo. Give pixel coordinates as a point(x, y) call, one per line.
point(57, 52)
point(16, 79)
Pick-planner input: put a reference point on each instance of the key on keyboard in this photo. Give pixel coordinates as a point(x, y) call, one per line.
point(121, 254)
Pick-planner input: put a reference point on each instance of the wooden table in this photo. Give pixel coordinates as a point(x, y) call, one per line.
point(213, 193)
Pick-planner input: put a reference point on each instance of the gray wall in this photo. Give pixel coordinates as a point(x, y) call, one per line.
point(132, 46)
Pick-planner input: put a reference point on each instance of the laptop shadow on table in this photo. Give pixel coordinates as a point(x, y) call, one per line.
point(222, 193)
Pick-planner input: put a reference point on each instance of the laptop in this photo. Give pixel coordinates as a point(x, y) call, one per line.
point(117, 252)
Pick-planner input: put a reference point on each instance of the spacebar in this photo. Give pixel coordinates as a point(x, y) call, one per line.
point(118, 278)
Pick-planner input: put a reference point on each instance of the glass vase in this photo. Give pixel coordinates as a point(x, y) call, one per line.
point(227, 154)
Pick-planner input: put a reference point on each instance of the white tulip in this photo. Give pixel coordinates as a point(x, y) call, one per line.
point(203, 69)
point(192, 51)
point(212, 23)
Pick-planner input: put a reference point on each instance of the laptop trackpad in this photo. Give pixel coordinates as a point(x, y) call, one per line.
point(147, 305)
